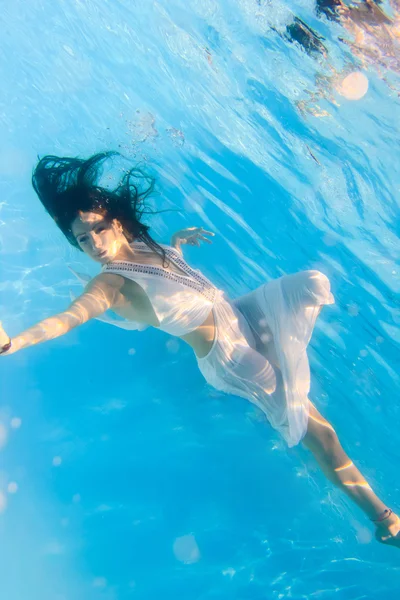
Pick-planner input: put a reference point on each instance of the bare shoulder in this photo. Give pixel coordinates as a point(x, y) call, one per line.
point(107, 280)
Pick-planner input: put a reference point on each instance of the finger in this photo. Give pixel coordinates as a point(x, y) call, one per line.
point(204, 239)
point(205, 232)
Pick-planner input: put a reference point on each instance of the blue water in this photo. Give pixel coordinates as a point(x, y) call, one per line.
point(123, 475)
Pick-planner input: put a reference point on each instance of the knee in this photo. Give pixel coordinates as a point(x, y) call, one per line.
point(322, 438)
point(329, 439)
point(319, 287)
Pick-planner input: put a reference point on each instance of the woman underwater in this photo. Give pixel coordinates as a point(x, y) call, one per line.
point(253, 347)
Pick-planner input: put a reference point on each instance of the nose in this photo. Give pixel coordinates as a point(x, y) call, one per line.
point(95, 241)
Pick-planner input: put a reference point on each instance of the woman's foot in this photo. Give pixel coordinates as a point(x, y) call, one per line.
point(388, 531)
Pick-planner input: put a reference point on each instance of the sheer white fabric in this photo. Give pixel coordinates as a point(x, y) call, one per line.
point(181, 297)
point(260, 348)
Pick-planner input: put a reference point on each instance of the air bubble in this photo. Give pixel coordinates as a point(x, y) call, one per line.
point(3, 502)
point(100, 582)
point(353, 310)
point(172, 346)
point(16, 423)
point(12, 487)
point(186, 549)
point(3, 435)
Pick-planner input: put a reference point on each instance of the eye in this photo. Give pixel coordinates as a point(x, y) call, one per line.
point(83, 239)
point(100, 229)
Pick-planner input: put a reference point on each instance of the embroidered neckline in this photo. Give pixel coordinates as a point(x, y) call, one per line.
point(192, 278)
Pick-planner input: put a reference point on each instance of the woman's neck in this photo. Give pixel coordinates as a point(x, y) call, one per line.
point(126, 252)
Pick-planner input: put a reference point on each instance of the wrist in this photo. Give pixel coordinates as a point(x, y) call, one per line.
point(5, 341)
point(175, 240)
point(6, 347)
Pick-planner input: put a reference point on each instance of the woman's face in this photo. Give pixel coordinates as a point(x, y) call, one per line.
point(97, 237)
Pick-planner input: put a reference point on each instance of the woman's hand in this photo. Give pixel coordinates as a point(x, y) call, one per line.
point(192, 236)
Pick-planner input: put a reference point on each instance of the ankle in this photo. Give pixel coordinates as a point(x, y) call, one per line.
point(383, 518)
point(386, 519)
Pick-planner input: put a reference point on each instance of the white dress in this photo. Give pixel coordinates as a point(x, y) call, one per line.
point(260, 347)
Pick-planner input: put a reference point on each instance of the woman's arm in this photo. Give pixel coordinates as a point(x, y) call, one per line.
point(190, 236)
point(101, 293)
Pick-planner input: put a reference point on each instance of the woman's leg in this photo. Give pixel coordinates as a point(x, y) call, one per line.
point(324, 443)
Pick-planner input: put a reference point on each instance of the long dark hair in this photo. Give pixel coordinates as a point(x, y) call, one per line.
point(67, 186)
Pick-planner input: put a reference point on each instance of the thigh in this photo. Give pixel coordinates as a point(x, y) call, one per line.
point(254, 370)
point(318, 429)
point(290, 303)
point(234, 362)
point(251, 306)
point(305, 290)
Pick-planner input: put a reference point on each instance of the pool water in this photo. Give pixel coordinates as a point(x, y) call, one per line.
point(123, 475)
